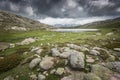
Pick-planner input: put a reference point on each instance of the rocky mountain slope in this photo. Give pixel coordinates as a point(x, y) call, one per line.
point(9, 21)
point(111, 23)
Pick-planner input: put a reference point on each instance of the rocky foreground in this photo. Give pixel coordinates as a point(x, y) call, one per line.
point(71, 62)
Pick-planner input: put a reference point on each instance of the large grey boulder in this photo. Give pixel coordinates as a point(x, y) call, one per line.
point(34, 63)
point(76, 60)
point(47, 63)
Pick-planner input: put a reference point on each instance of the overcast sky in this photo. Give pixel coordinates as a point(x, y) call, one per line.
point(62, 9)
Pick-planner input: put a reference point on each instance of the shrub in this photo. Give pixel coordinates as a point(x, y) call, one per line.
point(9, 62)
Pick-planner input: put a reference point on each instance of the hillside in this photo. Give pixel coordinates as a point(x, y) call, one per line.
point(111, 23)
point(9, 21)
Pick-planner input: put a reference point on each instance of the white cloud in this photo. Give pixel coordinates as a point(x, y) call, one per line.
point(71, 21)
point(101, 3)
point(71, 4)
point(14, 7)
point(29, 11)
point(118, 9)
point(80, 8)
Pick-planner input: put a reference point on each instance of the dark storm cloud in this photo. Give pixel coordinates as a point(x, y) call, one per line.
point(62, 8)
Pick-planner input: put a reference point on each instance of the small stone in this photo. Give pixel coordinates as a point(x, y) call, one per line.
point(98, 34)
point(94, 52)
point(9, 78)
point(117, 49)
point(76, 47)
point(41, 77)
point(111, 58)
point(55, 52)
point(59, 71)
point(39, 51)
point(90, 60)
point(109, 34)
point(67, 78)
point(34, 63)
point(33, 77)
point(12, 45)
point(52, 71)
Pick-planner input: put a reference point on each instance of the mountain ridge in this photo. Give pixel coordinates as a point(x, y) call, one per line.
point(10, 21)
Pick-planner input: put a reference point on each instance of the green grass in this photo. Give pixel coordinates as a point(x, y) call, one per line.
point(51, 38)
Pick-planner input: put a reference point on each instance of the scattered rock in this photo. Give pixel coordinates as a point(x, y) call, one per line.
point(117, 49)
point(111, 58)
point(4, 46)
point(67, 53)
point(67, 78)
point(115, 77)
point(9, 78)
point(47, 63)
point(34, 63)
point(33, 77)
point(76, 60)
point(76, 47)
point(12, 45)
point(39, 51)
point(94, 52)
point(59, 71)
point(27, 41)
point(41, 77)
point(98, 34)
point(90, 60)
point(19, 28)
point(35, 49)
point(115, 66)
point(101, 71)
point(64, 49)
point(52, 71)
point(109, 34)
point(55, 52)
point(91, 76)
